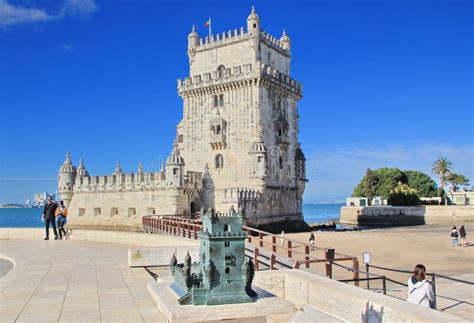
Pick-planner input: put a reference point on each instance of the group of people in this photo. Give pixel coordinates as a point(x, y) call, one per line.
point(55, 213)
point(461, 234)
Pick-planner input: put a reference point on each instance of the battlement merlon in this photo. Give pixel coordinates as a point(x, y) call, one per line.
point(214, 82)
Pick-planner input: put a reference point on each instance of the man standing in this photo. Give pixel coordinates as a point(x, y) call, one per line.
point(49, 218)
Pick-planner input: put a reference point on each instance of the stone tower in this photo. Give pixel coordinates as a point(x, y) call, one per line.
point(240, 117)
point(66, 181)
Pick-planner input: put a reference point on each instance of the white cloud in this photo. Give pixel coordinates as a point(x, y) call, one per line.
point(78, 8)
point(16, 15)
point(11, 15)
point(67, 48)
point(334, 171)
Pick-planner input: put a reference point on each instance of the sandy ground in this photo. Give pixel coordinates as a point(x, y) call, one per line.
point(403, 247)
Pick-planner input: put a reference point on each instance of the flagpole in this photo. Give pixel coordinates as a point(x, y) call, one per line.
point(210, 28)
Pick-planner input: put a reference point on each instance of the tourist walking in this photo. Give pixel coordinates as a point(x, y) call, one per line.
point(49, 211)
point(311, 241)
point(462, 234)
point(454, 236)
point(61, 214)
point(420, 291)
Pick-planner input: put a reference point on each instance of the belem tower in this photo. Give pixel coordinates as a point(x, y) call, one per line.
point(236, 145)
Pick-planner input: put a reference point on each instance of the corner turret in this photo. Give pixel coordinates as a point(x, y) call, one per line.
point(81, 169)
point(174, 167)
point(253, 23)
point(285, 41)
point(67, 177)
point(193, 41)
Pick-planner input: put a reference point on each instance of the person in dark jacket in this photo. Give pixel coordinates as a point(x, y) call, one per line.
point(462, 234)
point(49, 217)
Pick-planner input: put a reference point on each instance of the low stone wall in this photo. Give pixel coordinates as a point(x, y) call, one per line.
point(345, 301)
point(131, 238)
point(407, 215)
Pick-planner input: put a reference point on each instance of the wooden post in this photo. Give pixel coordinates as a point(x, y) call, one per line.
point(260, 239)
point(355, 272)
point(289, 249)
point(306, 256)
point(274, 246)
point(329, 256)
point(255, 259)
point(296, 265)
point(272, 261)
point(189, 230)
point(249, 238)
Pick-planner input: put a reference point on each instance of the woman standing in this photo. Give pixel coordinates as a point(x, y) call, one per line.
point(462, 234)
point(420, 290)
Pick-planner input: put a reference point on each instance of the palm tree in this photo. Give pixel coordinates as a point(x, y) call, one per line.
point(442, 168)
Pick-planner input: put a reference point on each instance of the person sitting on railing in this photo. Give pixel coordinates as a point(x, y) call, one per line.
point(420, 291)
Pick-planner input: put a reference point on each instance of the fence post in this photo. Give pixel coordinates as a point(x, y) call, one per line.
point(384, 284)
point(433, 281)
point(255, 259)
point(274, 241)
point(355, 271)
point(289, 248)
point(329, 255)
point(272, 261)
point(306, 256)
point(260, 239)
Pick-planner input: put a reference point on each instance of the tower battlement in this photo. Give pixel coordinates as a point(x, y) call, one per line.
point(215, 81)
point(237, 35)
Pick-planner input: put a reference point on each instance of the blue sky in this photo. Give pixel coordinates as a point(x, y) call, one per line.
point(386, 83)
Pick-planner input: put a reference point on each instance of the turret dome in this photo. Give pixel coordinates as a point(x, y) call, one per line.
point(67, 166)
point(175, 158)
point(81, 170)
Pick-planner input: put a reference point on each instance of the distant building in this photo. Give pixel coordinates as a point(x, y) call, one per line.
point(461, 197)
point(363, 201)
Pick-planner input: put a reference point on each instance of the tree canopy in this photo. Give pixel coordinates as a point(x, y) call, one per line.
point(422, 183)
point(403, 195)
point(457, 180)
point(384, 179)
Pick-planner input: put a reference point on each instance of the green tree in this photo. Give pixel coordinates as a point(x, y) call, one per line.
point(457, 180)
point(384, 180)
point(403, 195)
point(442, 168)
point(422, 183)
point(370, 184)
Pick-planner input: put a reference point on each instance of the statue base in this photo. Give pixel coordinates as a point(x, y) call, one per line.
point(266, 305)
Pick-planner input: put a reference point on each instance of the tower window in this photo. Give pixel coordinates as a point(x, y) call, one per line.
point(180, 138)
point(175, 171)
point(281, 162)
point(219, 161)
point(218, 130)
point(254, 25)
point(221, 100)
point(216, 101)
point(227, 270)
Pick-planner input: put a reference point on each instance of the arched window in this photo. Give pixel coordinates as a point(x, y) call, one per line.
point(218, 130)
point(221, 100)
point(219, 161)
point(216, 101)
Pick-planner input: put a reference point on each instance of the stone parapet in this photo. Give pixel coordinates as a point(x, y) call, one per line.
point(349, 303)
point(406, 215)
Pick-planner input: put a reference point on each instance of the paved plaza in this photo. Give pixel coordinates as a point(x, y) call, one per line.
point(69, 281)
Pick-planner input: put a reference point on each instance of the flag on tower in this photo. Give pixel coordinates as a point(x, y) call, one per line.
point(208, 24)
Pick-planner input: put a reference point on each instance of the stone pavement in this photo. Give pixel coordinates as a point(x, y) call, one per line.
point(67, 281)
